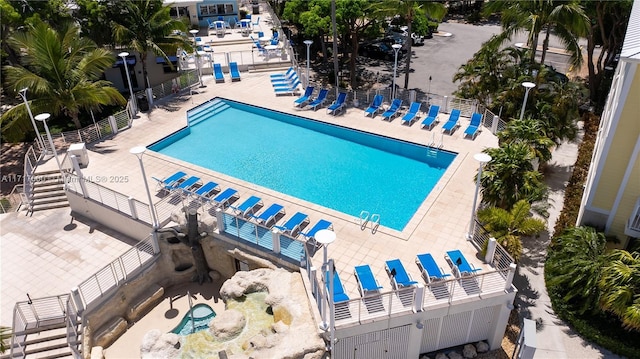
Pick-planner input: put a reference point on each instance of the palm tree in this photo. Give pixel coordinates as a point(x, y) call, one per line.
point(620, 287)
point(508, 227)
point(62, 72)
point(567, 19)
point(530, 132)
point(510, 177)
point(146, 26)
point(574, 267)
point(5, 335)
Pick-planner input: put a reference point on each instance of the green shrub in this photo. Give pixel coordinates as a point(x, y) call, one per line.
point(574, 190)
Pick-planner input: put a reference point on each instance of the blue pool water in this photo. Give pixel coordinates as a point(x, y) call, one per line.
point(202, 315)
point(333, 166)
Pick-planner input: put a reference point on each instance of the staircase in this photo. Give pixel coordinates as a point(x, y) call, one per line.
point(48, 192)
point(43, 343)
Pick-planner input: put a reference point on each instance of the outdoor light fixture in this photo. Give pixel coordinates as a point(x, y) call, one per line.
point(308, 43)
point(23, 94)
point(134, 105)
point(43, 117)
point(396, 48)
point(482, 158)
point(325, 237)
point(196, 56)
point(138, 151)
point(527, 86)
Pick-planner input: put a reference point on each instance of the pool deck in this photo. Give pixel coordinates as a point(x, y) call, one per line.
point(439, 225)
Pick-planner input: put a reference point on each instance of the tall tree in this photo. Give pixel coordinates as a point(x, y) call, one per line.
point(508, 227)
point(62, 72)
point(509, 177)
point(146, 26)
point(609, 19)
point(566, 19)
point(530, 132)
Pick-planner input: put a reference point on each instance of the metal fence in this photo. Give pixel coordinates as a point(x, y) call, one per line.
point(114, 274)
point(501, 258)
point(110, 198)
point(264, 238)
point(187, 79)
point(33, 314)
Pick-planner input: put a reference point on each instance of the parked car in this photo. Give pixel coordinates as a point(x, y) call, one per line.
point(401, 33)
point(379, 49)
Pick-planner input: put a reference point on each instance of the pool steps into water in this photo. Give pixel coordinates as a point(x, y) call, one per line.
point(204, 111)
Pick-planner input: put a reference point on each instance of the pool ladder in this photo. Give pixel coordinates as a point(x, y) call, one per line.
point(365, 217)
point(193, 322)
point(433, 140)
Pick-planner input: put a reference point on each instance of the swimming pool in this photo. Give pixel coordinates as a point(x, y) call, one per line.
point(202, 315)
point(336, 167)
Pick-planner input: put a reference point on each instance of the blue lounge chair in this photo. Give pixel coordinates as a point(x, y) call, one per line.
point(429, 268)
point(269, 214)
point(452, 123)
point(375, 106)
point(412, 114)
point(248, 206)
point(319, 101)
point(290, 78)
point(305, 97)
point(285, 83)
point(399, 276)
point(187, 184)
point(222, 199)
point(367, 283)
point(392, 110)
point(338, 290)
point(205, 190)
point(459, 264)
point(338, 104)
point(474, 127)
point(287, 90)
point(233, 69)
point(432, 117)
point(282, 75)
point(220, 30)
point(217, 70)
point(293, 224)
point(169, 182)
point(322, 224)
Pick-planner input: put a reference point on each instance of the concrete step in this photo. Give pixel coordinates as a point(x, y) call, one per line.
point(49, 197)
point(47, 344)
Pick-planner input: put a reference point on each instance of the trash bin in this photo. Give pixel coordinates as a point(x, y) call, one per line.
point(143, 104)
point(256, 9)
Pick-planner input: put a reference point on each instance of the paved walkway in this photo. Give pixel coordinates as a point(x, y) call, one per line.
point(555, 339)
point(49, 253)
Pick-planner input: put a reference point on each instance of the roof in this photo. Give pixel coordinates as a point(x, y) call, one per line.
point(631, 45)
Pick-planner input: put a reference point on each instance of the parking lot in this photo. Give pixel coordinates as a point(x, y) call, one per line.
point(441, 56)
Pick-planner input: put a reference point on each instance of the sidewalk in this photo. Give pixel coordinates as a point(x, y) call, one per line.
point(554, 337)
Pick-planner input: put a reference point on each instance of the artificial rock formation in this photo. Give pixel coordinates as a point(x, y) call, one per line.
point(293, 333)
point(156, 344)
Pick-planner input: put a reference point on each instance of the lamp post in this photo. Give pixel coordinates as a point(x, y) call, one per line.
point(396, 48)
point(43, 117)
point(23, 94)
point(429, 89)
point(325, 237)
point(134, 105)
point(196, 56)
point(482, 158)
point(527, 86)
point(308, 43)
point(138, 151)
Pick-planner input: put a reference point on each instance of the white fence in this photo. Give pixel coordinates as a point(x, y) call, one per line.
point(110, 277)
